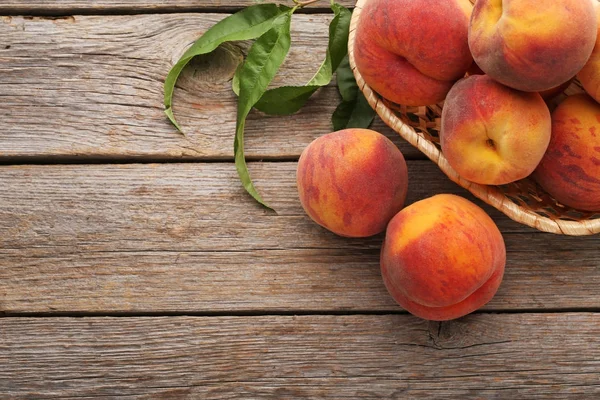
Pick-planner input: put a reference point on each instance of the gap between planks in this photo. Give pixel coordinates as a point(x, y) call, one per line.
point(279, 313)
point(54, 14)
point(129, 7)
point(124, 160)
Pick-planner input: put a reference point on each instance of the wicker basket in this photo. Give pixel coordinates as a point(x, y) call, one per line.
point(523, 201)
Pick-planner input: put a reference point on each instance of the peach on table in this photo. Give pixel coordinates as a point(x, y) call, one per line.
point(352, 182)
point(443, 257)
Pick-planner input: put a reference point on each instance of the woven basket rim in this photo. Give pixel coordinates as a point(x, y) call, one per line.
point(489, 194)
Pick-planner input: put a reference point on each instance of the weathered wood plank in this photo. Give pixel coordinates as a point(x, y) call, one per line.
point(75, 6)
point(186, 238)
point(533, 356)
point(91, 87)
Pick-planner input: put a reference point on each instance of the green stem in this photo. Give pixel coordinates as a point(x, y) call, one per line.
point(302, 4)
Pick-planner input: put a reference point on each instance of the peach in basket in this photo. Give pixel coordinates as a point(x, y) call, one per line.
point(492, 134)
point(524, 201)
point(570, 170)
point(410, 54)
point(532, 45)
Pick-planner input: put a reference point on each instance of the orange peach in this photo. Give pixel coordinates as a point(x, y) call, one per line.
point(492, 134)
point(589, 76)
point(442, 258)
point(570, 170)
point(412, 51)
point(352, 182)
point(532, 45)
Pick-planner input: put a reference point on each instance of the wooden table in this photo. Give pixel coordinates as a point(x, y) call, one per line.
point(133, 265)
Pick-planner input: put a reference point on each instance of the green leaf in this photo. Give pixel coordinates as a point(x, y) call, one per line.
point(354, 111)
point(289, 99)
point(337, 48)
point(248, 23)
point(262, 63)
point(235, 82)
point(345, 81)
point(285, 100)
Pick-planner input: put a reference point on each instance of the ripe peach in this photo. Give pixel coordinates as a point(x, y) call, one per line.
point(412, 51)
point(589, 76)
point(442, 258)
point(532, 45)
point(352, 181)
point(570, 170)
point(492, 134)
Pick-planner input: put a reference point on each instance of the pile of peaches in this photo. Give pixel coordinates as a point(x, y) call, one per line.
point(495, 65)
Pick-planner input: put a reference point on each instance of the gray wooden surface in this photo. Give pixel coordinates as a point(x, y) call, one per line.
point(483, 356)
point(126, 272)
point(185, 237)
point(109, 70)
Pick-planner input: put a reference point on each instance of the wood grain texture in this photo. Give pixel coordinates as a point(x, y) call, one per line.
point(86, 6)
point(92, 87)
point(532, 356)
point(186, 238)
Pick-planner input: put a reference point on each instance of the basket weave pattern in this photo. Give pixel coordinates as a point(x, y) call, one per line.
point(523, 201)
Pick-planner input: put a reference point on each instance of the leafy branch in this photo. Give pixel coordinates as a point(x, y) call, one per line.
point(269, 25)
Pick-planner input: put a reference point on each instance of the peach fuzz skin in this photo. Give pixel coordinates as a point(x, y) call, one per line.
point(589, 76)
point(410, 56)
point(442, 258)
point(570, 170)
point(352, 182)
point(492, 134)
point(532, 45)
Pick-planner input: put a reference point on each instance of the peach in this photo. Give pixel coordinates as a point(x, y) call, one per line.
point(352, 181)
point(589, 76)
point(532, 45)
point(570, 170)
point(412, 51)
point(492, 134)
point(442, 258)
